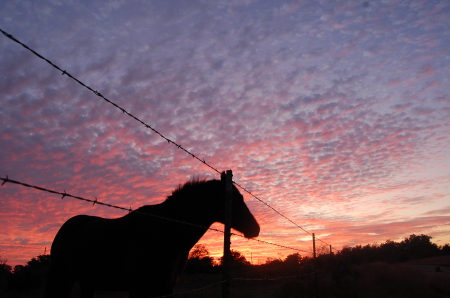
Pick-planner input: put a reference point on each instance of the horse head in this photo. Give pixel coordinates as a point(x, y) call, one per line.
point(242, 219)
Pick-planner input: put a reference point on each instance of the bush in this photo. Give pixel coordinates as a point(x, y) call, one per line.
point(5, 274)
point(32, 276)
point(380, 279)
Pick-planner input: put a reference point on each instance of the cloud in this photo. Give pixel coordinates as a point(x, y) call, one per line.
point(441, 211)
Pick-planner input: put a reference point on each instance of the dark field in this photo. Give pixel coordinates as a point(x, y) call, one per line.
point(413, 279)
point(364, 281)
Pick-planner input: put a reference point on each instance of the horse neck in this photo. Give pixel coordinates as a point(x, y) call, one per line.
point(187, 213)
point(196, 218)
point(185, 226)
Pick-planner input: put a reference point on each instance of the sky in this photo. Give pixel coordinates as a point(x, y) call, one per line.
point(335, 113)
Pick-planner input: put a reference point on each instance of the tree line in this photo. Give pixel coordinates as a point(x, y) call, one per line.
point(412, 248)
point(24, 277)
point(33, 274)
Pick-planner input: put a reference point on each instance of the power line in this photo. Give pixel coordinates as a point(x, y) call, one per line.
point(279, 213)
point(65, 72)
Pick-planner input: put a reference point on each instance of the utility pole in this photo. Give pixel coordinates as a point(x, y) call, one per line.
point(227, 235)
point(315, 265)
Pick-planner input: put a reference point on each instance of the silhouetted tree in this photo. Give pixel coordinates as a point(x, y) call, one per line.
point(199, 260)
point(389, 252)
point(292, 262)
point(273, 262)
point(413, 247)
point(198, 251)
point(272, 265)
point(293, 259)
point(445, 249)
point(32, 275)
point(237, 260)
point(5, 274)
point(418, 247)
point(322, 249)
point(41, 261)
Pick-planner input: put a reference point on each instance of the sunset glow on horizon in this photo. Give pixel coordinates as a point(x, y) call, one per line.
point(335, 113)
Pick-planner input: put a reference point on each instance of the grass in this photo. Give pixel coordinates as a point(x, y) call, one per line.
point(371, 280)
point(378, 279)
point(443, 261)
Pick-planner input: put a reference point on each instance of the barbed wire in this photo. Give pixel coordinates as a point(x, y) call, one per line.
point(279, 213)
point(64, 72)
point(271, 207)
point(271, 243)
point(65, 194)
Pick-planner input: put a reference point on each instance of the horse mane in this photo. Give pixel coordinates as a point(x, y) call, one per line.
point(184, 190)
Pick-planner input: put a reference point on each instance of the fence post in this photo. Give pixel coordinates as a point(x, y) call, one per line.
point(227, 236)
point(315, 266)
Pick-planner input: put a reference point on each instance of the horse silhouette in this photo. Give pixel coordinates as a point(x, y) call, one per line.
point(139, 253)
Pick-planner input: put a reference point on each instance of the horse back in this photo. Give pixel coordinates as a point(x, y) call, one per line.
point(61, 279)
point(115, 254)
point(66, 232)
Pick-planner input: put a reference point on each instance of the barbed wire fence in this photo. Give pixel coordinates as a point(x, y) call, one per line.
point(64, 194)
point(97, 93)
point(96, 201)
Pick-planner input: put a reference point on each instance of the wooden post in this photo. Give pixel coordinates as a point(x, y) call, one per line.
point(227, 236)
point(316, 287)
